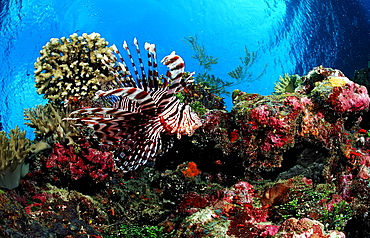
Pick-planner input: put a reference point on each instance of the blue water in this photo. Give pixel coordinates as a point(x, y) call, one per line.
point(288, 36)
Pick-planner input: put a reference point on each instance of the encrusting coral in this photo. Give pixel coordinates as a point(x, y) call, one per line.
point(70, 69)
point(13, 150)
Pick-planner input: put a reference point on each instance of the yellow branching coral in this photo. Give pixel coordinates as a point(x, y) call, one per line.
point(48, 123)
point(13, 150)
point(71, 68)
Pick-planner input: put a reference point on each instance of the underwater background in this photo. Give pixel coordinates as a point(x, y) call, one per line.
point(111, 153)
point(287, 36)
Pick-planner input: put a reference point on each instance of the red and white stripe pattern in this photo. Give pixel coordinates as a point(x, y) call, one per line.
point(144, 110)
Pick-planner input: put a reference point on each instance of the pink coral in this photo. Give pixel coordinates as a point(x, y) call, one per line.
point(267, 125)
point(87, 162)
point(349, 98)
point(240, 193)
point(344, 186)
point(245, 219)
point(364, 173)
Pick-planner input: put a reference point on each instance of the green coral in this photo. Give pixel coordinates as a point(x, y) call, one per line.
point(13, 150)
point(315, 201)
point(199, 108)
point(47, 120)
point(133, 231)
point(337, 218)
point(73, 68)
point(287, 84)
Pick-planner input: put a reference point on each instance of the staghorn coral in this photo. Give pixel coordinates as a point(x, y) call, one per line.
point(13, 150)
point(48, 124)
point(71, 68)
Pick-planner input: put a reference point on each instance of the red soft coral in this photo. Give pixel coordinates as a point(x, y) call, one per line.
point(86, 162)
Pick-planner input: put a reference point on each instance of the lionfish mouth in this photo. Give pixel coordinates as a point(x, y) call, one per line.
point(142, 109)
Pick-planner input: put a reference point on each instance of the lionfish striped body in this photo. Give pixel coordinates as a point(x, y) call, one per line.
point(143, 110)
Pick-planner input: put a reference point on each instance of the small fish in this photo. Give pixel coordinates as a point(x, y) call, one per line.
point(362, 131)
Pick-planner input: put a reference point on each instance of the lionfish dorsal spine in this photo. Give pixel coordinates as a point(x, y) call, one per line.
point(145, 102)
point(176, 67)
point(141, 65)
point(121, 73)
point(152, 66)
point(136, 72)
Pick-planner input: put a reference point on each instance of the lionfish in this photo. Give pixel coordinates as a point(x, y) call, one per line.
point(143, 110)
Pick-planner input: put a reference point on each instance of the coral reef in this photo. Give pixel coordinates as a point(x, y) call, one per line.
point(236, 214)
point(292, 164)
point(305, 228)
point(49, 212)
point(261, 130)
point(13, 150)
point(70, 69)
point(267, 124)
